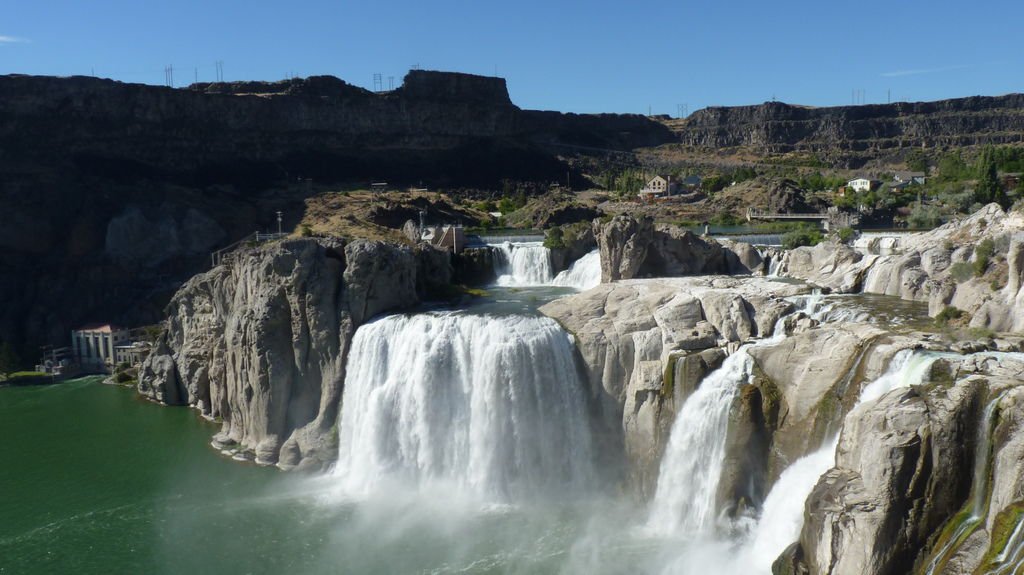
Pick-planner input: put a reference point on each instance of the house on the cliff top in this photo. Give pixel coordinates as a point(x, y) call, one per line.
point(660, 186)
point(862, 184)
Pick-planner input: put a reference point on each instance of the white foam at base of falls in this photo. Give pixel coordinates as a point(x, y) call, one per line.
point(522, 264)
point(583, 274)
point(491, 404)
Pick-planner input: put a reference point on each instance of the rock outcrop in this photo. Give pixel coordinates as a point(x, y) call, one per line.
point(638, 248)
point(901, 486)
point(946, 267)
point(632, 333)
point(260, 343)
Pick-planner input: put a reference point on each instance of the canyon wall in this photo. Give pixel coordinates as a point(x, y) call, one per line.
point(114, 194)
point(857, 133)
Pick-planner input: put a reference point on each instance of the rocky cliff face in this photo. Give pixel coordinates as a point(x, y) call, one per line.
point(636, 336)
point(637, 247)
point(857, 132)
point(899, 499)
point(261, 342)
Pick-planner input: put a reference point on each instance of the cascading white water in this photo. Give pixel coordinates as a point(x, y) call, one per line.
point(684, 501)
point(522, 264)
point(493, 404)
point(979, 486)
point(584, 273)
point(1010, 560)
point(782, 515)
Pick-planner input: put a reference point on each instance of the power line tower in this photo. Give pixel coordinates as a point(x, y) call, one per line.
point(378, 83)
point(219, 65)
point(169, 76)
point(391, 83)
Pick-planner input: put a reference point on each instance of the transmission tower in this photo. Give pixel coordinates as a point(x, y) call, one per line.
point(378, 83)
point(169, 76)
point(219, 65)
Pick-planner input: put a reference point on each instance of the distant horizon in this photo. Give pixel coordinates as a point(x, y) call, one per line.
point(647, 57)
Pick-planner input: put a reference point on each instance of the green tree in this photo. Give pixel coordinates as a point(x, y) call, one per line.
point(917, 161)
point(8, 359)
point(988, 189)
point(952, 168)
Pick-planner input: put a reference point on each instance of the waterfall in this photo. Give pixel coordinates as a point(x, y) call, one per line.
point(979, 487)
point(491, 404)
point(1011, 558)
point(684, 501)
point(584, 273)
point(522, 264)
point(782, 515)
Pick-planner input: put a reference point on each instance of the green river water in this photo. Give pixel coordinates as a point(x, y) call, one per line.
point(94, 479)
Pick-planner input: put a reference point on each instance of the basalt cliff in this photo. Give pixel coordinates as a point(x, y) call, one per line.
point(113, 194)
point(851, 135)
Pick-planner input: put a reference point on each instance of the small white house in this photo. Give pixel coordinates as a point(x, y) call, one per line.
point(863, 184)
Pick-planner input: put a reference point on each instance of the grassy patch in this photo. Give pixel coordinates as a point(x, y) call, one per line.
point(1002, 528)
point(948, 314)
point(805, 236)
point(961, 271)
point(26, 374)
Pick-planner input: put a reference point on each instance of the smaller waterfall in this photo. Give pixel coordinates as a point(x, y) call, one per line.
point(584, 273)
point(1011, 559)
point(522, 264)
point(684, 501)
point(979, 487)
point(782, 515)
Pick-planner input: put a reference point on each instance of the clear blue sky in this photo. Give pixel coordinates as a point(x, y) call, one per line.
point(562, 55)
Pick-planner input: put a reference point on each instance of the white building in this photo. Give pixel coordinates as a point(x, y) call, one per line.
point(863, 184)
point(94, 346)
